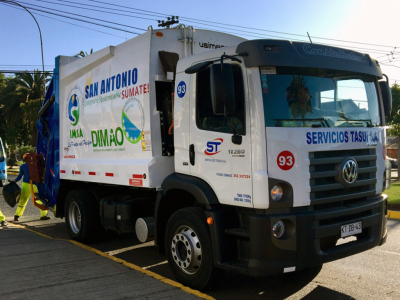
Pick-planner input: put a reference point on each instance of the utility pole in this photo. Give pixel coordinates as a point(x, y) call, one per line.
point(168, 23)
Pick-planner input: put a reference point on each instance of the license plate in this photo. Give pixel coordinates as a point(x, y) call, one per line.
point(351, 229)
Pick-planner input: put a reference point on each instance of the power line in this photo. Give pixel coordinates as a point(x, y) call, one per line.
point(25, 65)
point(280, 32)
point(24, 71)
point(390, 60)
point(162, 15)
point(183, 18)
point(332, 45)
point(109, 8)
point(376, 51)
point(257, 34)
point(88, 8)
point(390, 53)
point(390, 65)
point(80, 16)
point(238, 30)
point(115, 28)
point(39, 14)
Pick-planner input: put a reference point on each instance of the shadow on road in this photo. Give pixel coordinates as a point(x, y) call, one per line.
point(53, 228)
point(321, 292)
point(236, 286)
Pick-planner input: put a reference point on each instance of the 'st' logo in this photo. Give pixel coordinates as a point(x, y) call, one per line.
point(212, 147)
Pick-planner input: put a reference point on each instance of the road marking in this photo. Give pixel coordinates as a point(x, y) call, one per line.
point(389, 252)
point(118, 251)
point(161, 263)
point(129, 265)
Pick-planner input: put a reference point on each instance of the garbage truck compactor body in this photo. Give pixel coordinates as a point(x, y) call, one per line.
point(255, 156)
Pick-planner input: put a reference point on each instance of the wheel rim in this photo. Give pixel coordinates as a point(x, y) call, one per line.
point(186, 250)
point(75, 218)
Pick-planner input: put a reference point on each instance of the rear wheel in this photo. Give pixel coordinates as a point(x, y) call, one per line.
point(189, 249)
point(82, 217)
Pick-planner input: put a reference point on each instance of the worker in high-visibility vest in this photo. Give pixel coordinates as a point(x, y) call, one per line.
point(3, 222)
point(26, 192)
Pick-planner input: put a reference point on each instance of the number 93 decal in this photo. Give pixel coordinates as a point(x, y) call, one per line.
point(285, 160)
point(181, 89)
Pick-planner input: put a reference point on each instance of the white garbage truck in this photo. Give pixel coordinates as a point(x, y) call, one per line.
point(259, 156)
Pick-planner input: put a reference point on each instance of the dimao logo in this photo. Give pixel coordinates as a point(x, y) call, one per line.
point(73, 109)
point(212, 147)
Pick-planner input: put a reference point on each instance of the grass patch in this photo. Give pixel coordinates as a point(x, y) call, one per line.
point(393, 193)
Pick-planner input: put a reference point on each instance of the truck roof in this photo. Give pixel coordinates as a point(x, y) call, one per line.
point(296, 54)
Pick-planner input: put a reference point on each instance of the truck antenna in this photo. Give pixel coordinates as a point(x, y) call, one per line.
point(309, 37)
point(167, 24)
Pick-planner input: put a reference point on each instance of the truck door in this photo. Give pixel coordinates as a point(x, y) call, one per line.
point(225, 166)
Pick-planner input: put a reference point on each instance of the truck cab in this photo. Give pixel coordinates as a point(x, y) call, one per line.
point(290, 136)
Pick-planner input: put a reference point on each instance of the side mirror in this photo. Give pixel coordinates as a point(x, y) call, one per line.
point(222, 89)
point(386, 97)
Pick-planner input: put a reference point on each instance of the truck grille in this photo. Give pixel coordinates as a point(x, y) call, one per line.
point(327, 192)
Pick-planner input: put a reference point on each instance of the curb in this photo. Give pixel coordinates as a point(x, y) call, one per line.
point(13, 172)
point(393, 214)
point(125, 263)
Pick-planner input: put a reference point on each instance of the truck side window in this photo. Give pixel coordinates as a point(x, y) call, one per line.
point(205, 118)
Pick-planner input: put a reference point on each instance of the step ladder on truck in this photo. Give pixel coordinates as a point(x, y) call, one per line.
point(252, 156)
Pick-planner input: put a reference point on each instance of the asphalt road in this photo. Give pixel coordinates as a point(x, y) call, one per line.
point(373, 274)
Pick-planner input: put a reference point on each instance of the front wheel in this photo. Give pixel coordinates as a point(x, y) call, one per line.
point(189, 249)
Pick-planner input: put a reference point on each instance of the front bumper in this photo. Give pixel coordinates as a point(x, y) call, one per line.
point(313, 237)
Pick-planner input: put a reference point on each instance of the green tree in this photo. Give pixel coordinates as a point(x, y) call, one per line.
point(25, 149)
point(20, 103)
point(83, 54)
point(3, 85)
point(30, 85)
point(394, 124)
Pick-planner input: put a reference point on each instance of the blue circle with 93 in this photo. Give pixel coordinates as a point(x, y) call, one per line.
point(181, 89)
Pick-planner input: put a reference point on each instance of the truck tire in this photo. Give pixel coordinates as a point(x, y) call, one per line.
point(189, 249)
point(82, 216)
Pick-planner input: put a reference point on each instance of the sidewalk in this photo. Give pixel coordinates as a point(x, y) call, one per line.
point(35, 266)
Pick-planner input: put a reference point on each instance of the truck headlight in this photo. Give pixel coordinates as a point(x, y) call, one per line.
point(278, 229)
point(276, 192)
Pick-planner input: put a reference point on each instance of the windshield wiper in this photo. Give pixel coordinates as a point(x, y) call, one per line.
point(369, 122)
point(322, 120)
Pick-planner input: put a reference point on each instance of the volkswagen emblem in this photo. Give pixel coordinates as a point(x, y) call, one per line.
point(350, 171)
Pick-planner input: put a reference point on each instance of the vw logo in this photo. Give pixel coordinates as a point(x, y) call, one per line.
point(349, 171)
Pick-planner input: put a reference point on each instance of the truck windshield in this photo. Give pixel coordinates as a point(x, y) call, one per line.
point(301, 97)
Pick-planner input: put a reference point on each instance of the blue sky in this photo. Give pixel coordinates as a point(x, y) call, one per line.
point(364, 21)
